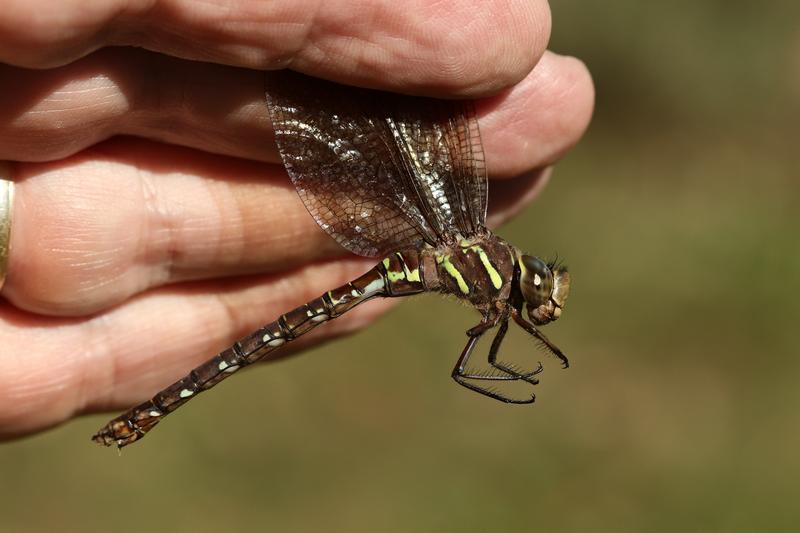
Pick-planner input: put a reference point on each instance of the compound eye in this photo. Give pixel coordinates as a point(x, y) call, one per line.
point(536, 280)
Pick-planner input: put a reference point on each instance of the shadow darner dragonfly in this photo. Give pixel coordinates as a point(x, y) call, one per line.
point(401, 179)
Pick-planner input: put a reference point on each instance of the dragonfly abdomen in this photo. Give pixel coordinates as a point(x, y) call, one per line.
point(399, 274)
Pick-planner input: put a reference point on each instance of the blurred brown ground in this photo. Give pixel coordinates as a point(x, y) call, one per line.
point(678, 215)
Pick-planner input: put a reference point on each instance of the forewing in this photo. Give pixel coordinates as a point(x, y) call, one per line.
point(379, 171)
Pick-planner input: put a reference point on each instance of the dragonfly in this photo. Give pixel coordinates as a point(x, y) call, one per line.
point(401, 179)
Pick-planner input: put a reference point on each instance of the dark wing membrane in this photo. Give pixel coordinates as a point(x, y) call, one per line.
point(379, 171)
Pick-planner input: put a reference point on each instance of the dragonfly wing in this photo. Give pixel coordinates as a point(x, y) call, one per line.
point(379, 171)
point(438, 145)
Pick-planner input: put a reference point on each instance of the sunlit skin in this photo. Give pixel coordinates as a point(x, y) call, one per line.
point(121, 247)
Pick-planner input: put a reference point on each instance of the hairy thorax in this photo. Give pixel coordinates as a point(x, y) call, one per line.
point(478, 270)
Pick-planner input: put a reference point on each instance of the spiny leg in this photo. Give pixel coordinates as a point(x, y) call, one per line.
point(475, 333)
point(461, 377)
point(530, 328)
point(509, 373)
point(505, 367)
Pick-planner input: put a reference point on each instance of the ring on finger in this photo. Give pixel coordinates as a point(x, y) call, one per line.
point(6, 199)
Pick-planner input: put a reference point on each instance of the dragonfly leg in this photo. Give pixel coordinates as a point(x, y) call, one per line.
point(544, 341)
point(505, 367)
point(462, 377)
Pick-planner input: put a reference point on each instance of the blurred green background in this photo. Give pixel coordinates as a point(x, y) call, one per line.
point(678, 217)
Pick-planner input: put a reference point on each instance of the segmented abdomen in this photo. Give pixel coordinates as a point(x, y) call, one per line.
point(397, 275)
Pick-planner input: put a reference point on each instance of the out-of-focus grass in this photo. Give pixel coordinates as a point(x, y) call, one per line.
point(678, 217)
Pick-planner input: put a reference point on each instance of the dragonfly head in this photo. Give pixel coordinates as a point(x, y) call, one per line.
point(544, 287)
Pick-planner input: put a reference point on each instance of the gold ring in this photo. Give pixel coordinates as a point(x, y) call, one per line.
point(6, 198)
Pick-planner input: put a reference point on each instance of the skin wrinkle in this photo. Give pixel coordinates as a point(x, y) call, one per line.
point(238, 36)
point(156, 252)
point(309, 44)
point(86, 120)
point(76, 237)
point(183, 115)
point(453, 62)
point(147, 369)
point(356, 43)
point(304, 40)
point(147, 363)
point(146, 120)
point(155, 332)
point(29, 395)
point(233, 317)
point(217, 317)
point(98, 336)
point(459, 64)
point(207, 32)
point(183, 224)
point(373, 43)
point(222, 226)
point(28, 387)
point(90, 287)
point(226, 205)
point(503, 67)
point(94, 345)
point(96, 98)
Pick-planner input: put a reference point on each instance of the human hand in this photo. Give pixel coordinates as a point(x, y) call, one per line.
point(153, 223)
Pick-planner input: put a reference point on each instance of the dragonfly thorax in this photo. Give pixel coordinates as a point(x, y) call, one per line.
point(544, 287)
point(478, 269)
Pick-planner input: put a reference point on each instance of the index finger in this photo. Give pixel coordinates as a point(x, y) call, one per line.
point(435, 47)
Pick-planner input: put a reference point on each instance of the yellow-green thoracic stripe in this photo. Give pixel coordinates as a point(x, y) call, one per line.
point(494, 275)
point(450, 268)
